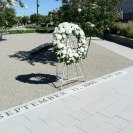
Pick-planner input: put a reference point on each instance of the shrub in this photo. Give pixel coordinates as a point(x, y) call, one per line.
point(20, 31)
point(124, 29)
point(38, 30)
point(33, 27)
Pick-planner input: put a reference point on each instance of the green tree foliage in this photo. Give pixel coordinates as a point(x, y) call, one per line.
point(25, 20)
point(13, 2)
point(34, 18)
point(7, 17)
point(93, 16)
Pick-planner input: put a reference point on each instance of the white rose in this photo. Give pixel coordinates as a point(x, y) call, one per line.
point(63, 56)
point(71, 55)
point(64, 52)
point(60, 45)
point(73, 59)
point(76, 55)
point(82, 49)
point(81, 33)
point(55, 30)
point(85, 48)
point(79, 10)
point(69, 50)
point(59, 37)
point(62, 30)
point(80, 44)
point(64, 36)
point(76, 27)
point(77, 32)
point(58, 53)
point(92, 25)
point(56, 42)
point(84, 41)
point(68, 30)
point(7, 5)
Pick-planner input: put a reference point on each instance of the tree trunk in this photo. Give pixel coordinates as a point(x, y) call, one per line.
point(88, 45)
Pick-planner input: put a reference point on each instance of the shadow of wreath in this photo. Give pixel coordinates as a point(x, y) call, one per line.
point(37, 78)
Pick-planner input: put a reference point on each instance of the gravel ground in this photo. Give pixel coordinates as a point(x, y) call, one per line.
point(23, 79)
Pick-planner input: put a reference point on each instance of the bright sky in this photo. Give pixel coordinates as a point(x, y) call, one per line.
point(45, 7)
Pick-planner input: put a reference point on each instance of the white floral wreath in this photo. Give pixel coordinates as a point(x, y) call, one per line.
point(66, 54)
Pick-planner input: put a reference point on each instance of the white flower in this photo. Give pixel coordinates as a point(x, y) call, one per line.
point(76, 27)
point(68, 30)
point(71, 55)
point(60, 45)
point(77, 32)
point(92, 25)
point(69, 50)
point(80, 44)
point(82, 49)
point(76, 55)
point(93, 7)
point(65, 24)
point(81, 33)
point(58, 36)
point(7, 5)
point(79, 10)
point(85, 48)
point(83, 41)
point(64, 52)
point(63, 56)
point(58, 53)
point(62, 30)
point(61, 39)
point(56, 42)
point(64, 36)
point(55, 30)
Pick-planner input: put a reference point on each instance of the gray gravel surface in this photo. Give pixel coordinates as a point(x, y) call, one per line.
point(23, 79)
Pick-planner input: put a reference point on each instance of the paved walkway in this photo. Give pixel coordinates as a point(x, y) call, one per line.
point(24, 78)
point(119, 49)
point(103, 105)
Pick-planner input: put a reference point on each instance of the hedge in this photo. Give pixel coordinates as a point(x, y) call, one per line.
point(49, 30)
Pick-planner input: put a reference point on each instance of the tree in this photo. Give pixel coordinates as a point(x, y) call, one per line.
point(7, 14)
point(25, 20)
point(19, 19)
point(34, 18)
point(7, 18)
point(13, 3)
point(93, 16)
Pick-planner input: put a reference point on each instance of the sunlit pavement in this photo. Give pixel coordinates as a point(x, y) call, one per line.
point(102, 105)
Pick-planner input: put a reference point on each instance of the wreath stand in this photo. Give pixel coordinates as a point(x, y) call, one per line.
point(66, 74)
